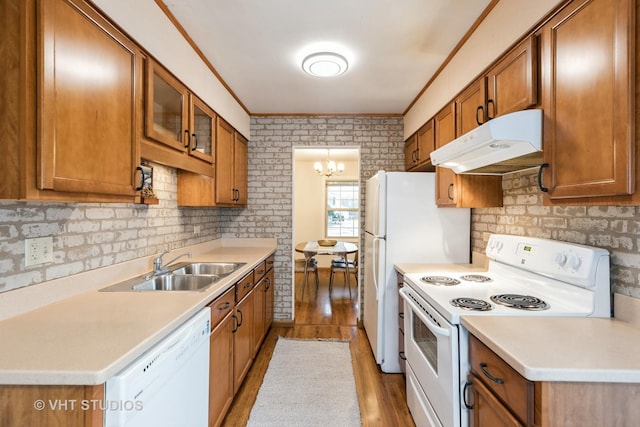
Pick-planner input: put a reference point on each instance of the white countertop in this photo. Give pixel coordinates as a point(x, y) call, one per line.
point(479, 264)
point(562, 348)
point(86, 338)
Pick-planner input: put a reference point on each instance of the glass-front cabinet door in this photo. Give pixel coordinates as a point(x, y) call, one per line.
point(202, 129)
point(167, 109)
point(176, 117)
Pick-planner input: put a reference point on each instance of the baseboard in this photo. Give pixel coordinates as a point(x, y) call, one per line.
point(282, 323)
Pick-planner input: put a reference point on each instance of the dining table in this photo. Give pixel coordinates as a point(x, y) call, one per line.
point(340, 248)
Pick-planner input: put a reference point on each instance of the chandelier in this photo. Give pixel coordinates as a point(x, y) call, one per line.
point(330, 168)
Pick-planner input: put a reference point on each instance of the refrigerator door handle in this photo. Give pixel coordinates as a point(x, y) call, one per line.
point(376, 246)
point(376, 211)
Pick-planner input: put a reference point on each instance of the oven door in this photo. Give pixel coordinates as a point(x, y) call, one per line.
point(431, 347)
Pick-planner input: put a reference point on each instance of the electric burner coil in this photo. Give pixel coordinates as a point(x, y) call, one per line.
point(476, 278)
point(440, 280)
point(521, 302)
point(472, 304)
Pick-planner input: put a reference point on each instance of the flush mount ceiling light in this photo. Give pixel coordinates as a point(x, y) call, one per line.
point(325, 64)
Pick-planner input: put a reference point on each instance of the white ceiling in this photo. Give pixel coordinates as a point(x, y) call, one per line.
point(393, 47)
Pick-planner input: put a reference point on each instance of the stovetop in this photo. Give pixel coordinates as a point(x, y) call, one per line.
point(566, 300)
point(552, 278)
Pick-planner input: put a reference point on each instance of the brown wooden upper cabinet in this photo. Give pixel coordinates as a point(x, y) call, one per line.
point(231, 165)
point(588, 58)
point(176, 117)
point(512, 83)
point(411, 152)
point(471, 107)
point(72, 80)
point(461, 191)
point(445, 132)
point(203, 130)
point(418, 149)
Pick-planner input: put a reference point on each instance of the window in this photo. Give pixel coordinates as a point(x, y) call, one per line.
point(343, 217)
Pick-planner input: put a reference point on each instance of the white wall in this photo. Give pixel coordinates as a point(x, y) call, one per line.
point(508, 21)
point(147, 24)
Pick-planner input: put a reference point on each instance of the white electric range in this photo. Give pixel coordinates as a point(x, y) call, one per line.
point(525, 277)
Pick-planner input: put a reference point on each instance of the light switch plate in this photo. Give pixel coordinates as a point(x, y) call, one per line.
point(38, 251)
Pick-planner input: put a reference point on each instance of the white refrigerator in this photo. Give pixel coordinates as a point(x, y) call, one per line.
point(403, 225)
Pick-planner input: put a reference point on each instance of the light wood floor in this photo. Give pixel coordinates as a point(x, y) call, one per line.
point(382, 396)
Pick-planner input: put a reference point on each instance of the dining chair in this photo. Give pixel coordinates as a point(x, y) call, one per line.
point(339, 266)
point(306, 265)
point(351, 261)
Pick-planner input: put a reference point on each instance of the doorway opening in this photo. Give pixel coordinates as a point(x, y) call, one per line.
point(326, 206)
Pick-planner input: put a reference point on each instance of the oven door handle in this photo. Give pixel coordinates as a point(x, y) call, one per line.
point(437, 330)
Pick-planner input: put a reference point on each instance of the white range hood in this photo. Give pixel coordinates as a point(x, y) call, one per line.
point(505, 144)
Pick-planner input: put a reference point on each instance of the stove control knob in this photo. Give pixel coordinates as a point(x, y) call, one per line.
point(574, 261)
point(561, 259)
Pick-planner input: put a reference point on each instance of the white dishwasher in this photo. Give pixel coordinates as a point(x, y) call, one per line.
point(168, 385)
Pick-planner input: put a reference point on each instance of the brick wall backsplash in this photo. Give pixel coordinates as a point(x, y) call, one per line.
point(92, 235)
point(614, 228)
point(270, 207)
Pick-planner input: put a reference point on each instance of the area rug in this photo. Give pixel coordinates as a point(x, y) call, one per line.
point(307, 383)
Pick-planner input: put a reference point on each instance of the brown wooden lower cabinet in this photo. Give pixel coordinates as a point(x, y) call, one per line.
point(236, 339)
point(221, 357)
point(516, 401)
point(51, 405)
point(269, 300)
point(262, 309)
point(242, 340)
point(221, 370)
point(259, 318)
point(488, 410)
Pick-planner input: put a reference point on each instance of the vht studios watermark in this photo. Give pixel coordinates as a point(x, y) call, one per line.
point(87, 405)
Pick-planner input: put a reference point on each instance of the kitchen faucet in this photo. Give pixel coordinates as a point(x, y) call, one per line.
point(159, 268)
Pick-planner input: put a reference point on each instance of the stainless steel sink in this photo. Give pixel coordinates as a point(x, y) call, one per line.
point(209, 268)
point(164, 282)
point(176, 282)
point(195, 277)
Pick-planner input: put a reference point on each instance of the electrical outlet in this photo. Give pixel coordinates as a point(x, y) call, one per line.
point(38, 251)
point(196, 229)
